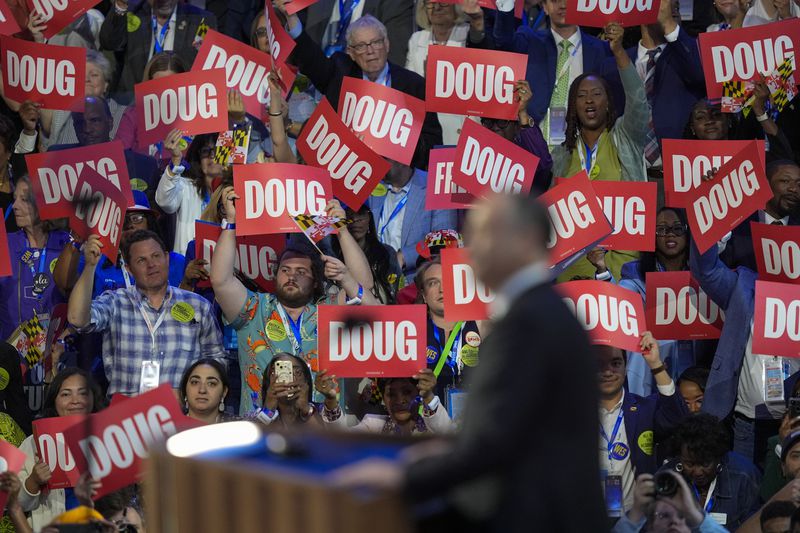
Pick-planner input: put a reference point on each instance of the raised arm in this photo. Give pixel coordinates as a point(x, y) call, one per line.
point(278, 111)
point(80, 301)
point(228, 291)
point(352, 253)
point(170, 191)
point(114, 31)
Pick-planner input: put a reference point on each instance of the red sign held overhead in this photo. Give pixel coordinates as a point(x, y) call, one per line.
point(58, 14)
point(8, 24)
point(747, 53)
point(272, 193)
point(121, 435)
point(487, 163)
point(256, 257)
point(630, 208)
point(48, 435)
point(372, 341)
point(54, 175)
point(442, 192)
point(99, 210)
point(195, 102)
point(687, 161)
point(777, 251)
point(50, 75)
point(387, 120)
point(12, 459)
point(677, 308)
point(465, 297)
point(612, 316)
point(577, 220)
point(281, 43)
point(598, 13)
point(355, 169)
point(738, 189)
point(246, 69)
point(491, 4)
point(776, 321)
point(298, 5)
point(473, 82)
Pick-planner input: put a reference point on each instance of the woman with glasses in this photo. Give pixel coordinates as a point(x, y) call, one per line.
point(725, 483)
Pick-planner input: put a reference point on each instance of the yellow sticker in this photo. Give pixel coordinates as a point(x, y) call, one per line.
point(379, 190)
point(133, 22)
point(275, 330)
point(183, 144)
point(182, 312)
point(391, 278)
point(53, 265)
point(472, 338)
point(646, 442)
point(138, 184)
point(469, 355)
point(4, 378)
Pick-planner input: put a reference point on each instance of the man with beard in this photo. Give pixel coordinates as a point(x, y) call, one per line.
point(268, 324)
point(152, 331)
point(136, 31)
point(784, 180)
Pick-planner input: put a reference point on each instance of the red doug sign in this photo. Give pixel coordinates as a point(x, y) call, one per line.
point(776, 322)
point(487, 163)
point(246, 69)
point(256, 257)
point(738, 189)
point(121, 435)
point(598, 13)
point(387, 120)
point(472, 81)
point(372, 341)
point(687, 161)
point(274, 192)
point(577, 220)
point(442, 192)
point(281, 43)
point(48, 434)
point(58, 14)
point(630, 207)
point(465, 298)
point(54, 175)
point(195, 102)
point(612, 316)
point(50, 75)
point(777, 251)
point(8, 24)
point(11, 460)
point(747, 53)
point(677, 308)
point(354, 168)
point(99, 210)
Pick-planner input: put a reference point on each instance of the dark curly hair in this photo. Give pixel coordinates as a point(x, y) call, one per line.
point(704, 437)
point(49, 403)
point(573, 125)
point(647, 260)
point(286, 356)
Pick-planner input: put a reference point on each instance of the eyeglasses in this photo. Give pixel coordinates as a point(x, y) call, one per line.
point(377, 44)
point(668, 516)
point(134, 218)
point(677, 230)
point(492, 123)
point(261, 32)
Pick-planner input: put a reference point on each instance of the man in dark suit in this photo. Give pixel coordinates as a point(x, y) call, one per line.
point(137, 31)
point(782, 209)
point(366, 58)
point(322, 22)
point(526, 458)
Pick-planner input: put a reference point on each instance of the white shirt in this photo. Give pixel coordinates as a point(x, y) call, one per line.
point(576, 55)
point(766, 218)
point(641, 54)
point(393, 234)
point(757, 15)
point(169, 37)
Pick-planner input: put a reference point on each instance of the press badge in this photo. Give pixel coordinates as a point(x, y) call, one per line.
point(151, 370)
point(613, 490)
point(558, 125)
point(773, 380)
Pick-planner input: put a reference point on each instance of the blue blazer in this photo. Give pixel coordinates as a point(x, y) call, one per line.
point(540, 46)
point(739, 249)
point(649, 419)
point(417, 222)
point(734, 292)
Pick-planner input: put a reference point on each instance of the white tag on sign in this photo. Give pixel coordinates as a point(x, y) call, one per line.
point(773, 380)
point(151, 371)
point(558, 125)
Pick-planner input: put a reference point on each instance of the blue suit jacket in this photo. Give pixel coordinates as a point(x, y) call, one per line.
point(647, 420)
point(542, 57)
point(739, 249)
point(679, 84)
point(417, 222)
point(734, 292)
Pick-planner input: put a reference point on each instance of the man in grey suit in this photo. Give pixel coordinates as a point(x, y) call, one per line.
point(323, 23)
point(401, 220)
point(526, 458)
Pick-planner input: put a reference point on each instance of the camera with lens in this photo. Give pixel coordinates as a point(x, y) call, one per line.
point(666, 484)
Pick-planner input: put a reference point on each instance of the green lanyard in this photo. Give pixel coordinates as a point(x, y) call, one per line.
point(447, 347)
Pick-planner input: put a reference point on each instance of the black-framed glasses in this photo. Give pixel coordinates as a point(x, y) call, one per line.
point(495, 123)
point(377, 44)
point(677, 230)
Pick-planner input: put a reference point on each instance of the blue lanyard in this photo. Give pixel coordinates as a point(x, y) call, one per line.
point(451, 357)
point(399, 207)
point(296, 327)
point(589, 155)
point(206, 200)
point(42, 258)
point(710, 503)
point(613, 438)
point(159, 40)
point(8, 210)
point(344, 18)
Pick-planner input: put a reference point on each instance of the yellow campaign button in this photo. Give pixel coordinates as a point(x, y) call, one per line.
point(380, 190)
point(133, 22)
point(182, 312)
point(275, 330)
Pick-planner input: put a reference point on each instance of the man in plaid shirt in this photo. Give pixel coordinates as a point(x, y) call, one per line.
point(151, 327)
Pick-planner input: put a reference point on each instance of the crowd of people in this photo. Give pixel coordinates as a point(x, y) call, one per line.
point(689, 434)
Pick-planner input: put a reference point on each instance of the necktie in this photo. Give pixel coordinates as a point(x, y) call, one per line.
point(651, 149)
point(344, 22)
point(777, 223)
point(559, 97)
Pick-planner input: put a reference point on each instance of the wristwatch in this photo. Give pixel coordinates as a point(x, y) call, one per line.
point(527, 124)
